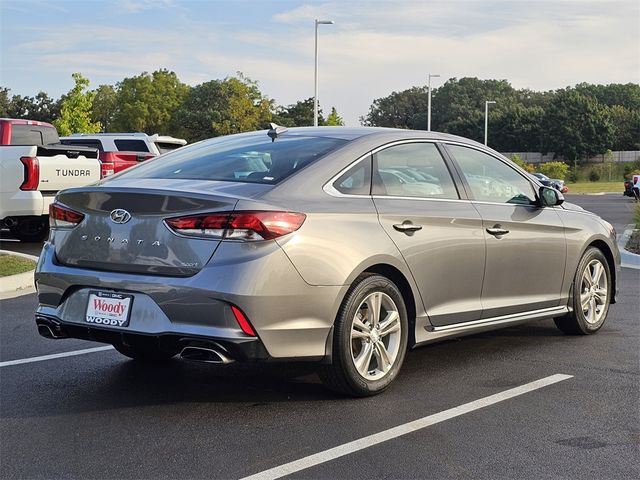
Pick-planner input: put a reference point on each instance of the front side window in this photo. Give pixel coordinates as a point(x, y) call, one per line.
point(238, 158)
point(490, 179)
point(412, 170)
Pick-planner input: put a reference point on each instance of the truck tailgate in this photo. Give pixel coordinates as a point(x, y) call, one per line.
point(59, 171)
point(64, 166)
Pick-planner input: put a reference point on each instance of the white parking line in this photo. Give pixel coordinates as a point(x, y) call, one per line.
point(54, 355)
point(395, 432)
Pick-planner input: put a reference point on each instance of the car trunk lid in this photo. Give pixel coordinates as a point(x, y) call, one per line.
point(124, 228)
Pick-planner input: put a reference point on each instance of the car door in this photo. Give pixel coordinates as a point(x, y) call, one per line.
point(438, 233)
point(526, 245)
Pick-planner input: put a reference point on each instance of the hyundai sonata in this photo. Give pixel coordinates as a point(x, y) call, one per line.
point(342, 246)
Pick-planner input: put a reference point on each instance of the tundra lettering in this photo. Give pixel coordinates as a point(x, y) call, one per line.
point(72, 173)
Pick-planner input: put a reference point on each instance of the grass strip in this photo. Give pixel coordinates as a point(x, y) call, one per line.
point(11, 265)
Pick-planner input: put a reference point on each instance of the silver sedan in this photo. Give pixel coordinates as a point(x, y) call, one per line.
point(342, 246)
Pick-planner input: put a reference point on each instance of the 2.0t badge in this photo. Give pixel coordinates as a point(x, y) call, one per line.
point(120, 215)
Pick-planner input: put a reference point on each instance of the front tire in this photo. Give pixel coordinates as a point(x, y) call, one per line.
point(591, 295)
point(369, 339)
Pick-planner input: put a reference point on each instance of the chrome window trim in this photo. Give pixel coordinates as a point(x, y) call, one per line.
point(422, 199)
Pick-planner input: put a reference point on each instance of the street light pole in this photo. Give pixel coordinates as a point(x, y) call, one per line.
point(486, 119)
point(429, 101)
point(315, 72)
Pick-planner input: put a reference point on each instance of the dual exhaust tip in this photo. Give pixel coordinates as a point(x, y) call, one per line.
point(207, 352)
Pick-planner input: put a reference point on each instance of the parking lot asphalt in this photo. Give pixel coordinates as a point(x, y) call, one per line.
point(99, 415)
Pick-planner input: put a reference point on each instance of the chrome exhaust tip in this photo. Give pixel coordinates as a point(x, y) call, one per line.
point(49, 329)
point(206, 354)
point(47, 332)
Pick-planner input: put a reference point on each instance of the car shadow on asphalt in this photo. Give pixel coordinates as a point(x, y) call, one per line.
point(97, 383)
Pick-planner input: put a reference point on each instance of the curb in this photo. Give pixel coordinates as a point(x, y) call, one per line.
point(20, 283)
point(628, 259)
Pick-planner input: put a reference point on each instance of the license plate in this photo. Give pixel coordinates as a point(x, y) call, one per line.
point(108, 308)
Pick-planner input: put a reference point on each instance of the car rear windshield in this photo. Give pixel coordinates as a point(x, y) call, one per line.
point(242, 158)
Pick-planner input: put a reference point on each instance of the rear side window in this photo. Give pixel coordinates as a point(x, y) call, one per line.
point(241, 158)
point(33, 135)
point(412, 170)
point(131, 145)
point(85, 143)
point(355, 181)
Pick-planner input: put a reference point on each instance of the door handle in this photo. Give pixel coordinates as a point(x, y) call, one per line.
point(497, 231)
point(407, 227)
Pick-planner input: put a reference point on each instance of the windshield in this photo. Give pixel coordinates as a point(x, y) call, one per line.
point(241, 158)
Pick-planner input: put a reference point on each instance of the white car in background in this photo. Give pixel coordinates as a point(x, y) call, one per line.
point(126, 142)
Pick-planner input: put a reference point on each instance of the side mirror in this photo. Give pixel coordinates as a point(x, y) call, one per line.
point(549, 197)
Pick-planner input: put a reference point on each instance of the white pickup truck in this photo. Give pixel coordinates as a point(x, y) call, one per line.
point(34, 166)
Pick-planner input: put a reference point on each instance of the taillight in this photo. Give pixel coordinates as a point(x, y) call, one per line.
point(107, 164)
point(63, 217)
point(31, 173)
point(242, 321)
point(248, 226)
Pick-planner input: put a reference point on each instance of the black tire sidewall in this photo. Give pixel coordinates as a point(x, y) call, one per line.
point(342, 348)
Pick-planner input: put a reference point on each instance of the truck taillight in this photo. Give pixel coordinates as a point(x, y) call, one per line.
point(63, 217)
point(31, 173)
point(247, 226)
point(107, 165)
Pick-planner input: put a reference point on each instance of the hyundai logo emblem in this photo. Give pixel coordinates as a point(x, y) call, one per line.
point(120, 215)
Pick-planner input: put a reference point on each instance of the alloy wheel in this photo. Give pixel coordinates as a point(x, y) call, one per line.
point(594, 291)
point(375, 336)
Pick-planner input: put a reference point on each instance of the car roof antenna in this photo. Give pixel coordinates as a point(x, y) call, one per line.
point(276, 130)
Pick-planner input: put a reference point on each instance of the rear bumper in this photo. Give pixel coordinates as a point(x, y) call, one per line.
point(292, 319)
point(24, 204)
point(242, 349)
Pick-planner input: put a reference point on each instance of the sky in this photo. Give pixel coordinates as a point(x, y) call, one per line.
point(374, 48)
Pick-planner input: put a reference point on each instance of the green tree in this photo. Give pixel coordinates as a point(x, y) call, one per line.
point(554, 169)
point(221, 107)
point(522, 164)
point(104, 106)
point(626, 124)
point(299, 114)
point(5, 102)
point(148, 102)
point(75, 110)
point(399, 110)
point(334, 119)
point(576, 126)
point(41, 108)
point(516, 127)
point(626, 95)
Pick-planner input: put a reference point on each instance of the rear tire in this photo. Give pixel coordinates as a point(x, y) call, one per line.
point(146, 353)
point(591, 295)
point(31, 230)
point(369, 338)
